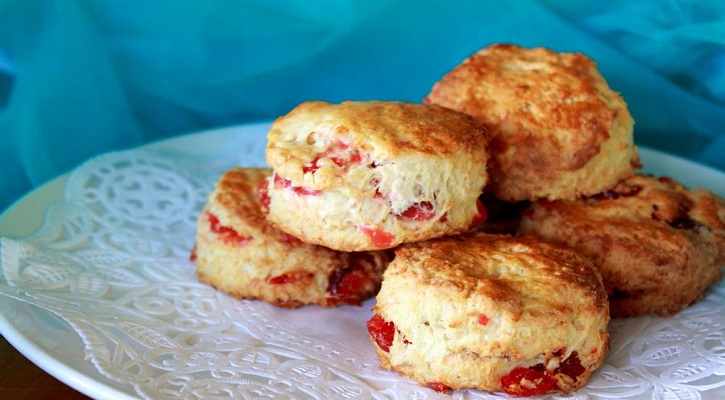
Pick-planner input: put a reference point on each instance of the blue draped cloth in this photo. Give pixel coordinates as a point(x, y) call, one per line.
point(79, 78)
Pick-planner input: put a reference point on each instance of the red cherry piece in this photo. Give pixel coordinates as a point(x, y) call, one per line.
point(483, 319)
point(279, 182)
point(312, 167)
point(527, 381)
point(614, 194)
point(263, 195)
point(687, 223)
point(286, 183)
point(381, 331)
point(288, 278)
point(281, 279)
point(481, 213)
point(421, 211)
point(192, 254)
point(572, 366)
point(347, 284)
point(378, 237)
point(338, 161)
point(439, 387)
point(225, 233)
point(338, 154)
point(350, 285)
point(303, 191)
point(289, 239)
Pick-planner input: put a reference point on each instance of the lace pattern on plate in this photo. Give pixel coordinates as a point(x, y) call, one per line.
point(112, 261)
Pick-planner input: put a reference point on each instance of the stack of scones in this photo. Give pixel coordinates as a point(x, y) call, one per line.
point(499, 224)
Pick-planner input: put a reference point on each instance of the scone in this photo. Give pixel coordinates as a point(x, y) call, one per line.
point(240, 253)
point(658, 246)
point(491, 312)
point(557, 130)
point(371, 175)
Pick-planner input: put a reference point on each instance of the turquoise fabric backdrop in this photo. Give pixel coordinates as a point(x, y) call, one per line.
point(79, 78)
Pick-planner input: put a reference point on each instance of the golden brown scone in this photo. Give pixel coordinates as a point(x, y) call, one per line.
point(557, 130)
point(371, 175)
point(658, 246)
point(491, 312)
point(240, 253)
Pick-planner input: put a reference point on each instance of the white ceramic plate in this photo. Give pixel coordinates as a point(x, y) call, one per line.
point(117, 322)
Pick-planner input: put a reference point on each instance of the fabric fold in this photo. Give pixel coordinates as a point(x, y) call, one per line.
point(92, 77)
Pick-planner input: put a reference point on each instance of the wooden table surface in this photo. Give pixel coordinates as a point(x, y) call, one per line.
point(22, 380)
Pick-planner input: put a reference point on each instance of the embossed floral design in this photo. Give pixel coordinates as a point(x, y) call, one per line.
point(112, 261)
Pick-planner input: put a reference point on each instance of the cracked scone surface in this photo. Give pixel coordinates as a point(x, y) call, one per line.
point(371, 175)
point(491, 312)
point(240, 253)
point(557, 129)
point(657, 244)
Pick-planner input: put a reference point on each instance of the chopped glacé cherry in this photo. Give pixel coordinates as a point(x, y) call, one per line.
point(682, 220)
point(348, 284)
point(280, 182)
point(338, 161)
point(532, 381)
point(375, 182)
point(421, 211)
point(287, 278)
point(281, 279)
point(378, 237)
point(481, 213)
point(263, 195)
point(687, 224)
point(630, 191)
point(192, 254)
point(312, 167)
point(337, 153)
point(225, 233)
point(483, 319)
point(439, 387)
point(381, 331)
point(571, 367)
point(289, 239)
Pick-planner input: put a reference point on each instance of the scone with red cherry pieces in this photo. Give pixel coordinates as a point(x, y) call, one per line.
point(657, 245)
point(491, 312)
point(240, 253)
point(370, 175)
point(557, 129)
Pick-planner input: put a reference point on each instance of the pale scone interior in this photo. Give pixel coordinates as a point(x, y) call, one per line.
point(362, 175)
